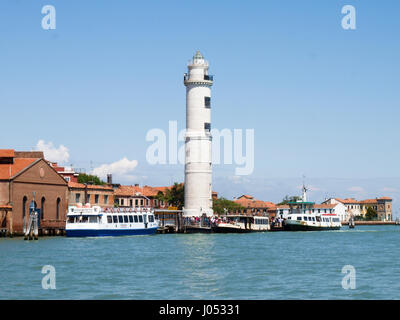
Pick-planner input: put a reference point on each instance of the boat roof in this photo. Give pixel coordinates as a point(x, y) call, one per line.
point(96, 210)
point(243, 216)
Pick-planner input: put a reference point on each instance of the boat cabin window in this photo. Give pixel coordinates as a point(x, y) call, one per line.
point(299, 218)
point(71, 219)
point(151, 218)
point(126, 219)
point(120, 219)
point(115, 219)
point(130, 219)
point(318, 219)
point(313, 219)
point(136, 219)
point(84, 219)
point(93, 219)
point(109, 219)
point(140, 218)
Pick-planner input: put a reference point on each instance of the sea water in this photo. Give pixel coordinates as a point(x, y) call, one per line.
point(271, 265)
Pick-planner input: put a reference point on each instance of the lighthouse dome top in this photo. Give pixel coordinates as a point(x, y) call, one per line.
point(198, 55)
point(198, 58)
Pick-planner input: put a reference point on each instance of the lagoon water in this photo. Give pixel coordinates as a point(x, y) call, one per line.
point(272, 265)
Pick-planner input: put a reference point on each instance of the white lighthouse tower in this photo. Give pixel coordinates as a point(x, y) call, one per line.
point(198, 168)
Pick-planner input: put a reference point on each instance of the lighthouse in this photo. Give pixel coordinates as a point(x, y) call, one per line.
point(198, 166)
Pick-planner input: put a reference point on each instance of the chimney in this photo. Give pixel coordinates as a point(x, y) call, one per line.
point(109, 178)
point(136, 184)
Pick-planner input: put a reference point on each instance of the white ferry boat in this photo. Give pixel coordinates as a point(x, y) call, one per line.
point(87, 221)
point(242, 224)
point(307, 216)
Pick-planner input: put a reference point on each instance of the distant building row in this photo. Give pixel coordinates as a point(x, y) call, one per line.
point(345, 208)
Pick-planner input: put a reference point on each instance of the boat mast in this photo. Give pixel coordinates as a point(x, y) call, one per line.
point(304, 195)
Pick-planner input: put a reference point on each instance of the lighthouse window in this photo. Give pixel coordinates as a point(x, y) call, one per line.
point(207, 126)
point(207, 102)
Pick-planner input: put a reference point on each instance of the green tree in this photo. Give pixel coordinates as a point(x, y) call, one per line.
point(175, 196)
point(220, 204)
point(288, 199)
point(88, 178)
point(371, 214)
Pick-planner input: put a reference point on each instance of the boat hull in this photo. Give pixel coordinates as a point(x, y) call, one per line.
point(109, 232)
point(235, 230)
point(301, 227)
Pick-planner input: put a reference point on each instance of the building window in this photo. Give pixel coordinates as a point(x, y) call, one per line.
point(207, 102)
point(58, 208)
point(136, 202)
point(88, 198)
point(131, 203)
point(68, 179)
point(42, 208)
point(77, 197)
point(121, 201)
point(207, 126)
point(96, 198)
point(24, 200)
point(106, 199)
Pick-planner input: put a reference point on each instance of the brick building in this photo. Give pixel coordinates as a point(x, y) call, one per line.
point(21, 174)
point(96, 195)
point(383, 207)
point(136, 196)
point(255, 207)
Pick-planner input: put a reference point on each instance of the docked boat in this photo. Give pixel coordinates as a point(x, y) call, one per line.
point(307, 216)
point(87, 221)
point(242, 224)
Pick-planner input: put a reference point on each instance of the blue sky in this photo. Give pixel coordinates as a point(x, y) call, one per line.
point(323, 101)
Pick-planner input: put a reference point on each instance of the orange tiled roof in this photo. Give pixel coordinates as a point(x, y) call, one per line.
point(126, 190)
point(249, 202)
point(368, 201)
point(7, 153)
point(145, 190)
point(384, 198)
point(77, 185)
point(7, 171)
point(245, 196)
point(347, 200)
